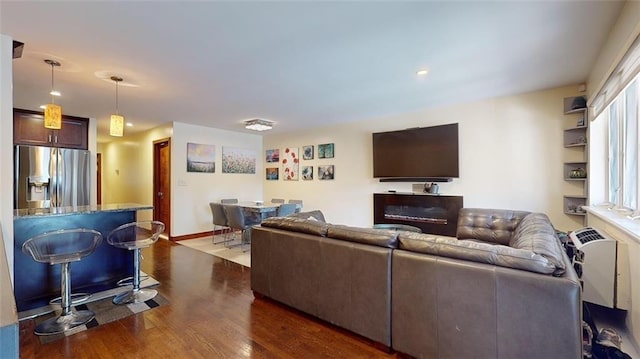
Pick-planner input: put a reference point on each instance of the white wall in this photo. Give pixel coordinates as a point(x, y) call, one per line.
point(127, 167)
point(511, 155)
point(127, 173)
point(193, 191)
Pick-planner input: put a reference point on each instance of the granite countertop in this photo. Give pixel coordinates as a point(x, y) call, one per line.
point(60, 211)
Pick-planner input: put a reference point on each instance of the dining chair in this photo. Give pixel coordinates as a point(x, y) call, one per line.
point(297, 201)
point(236, 220)
point(219, 220)
point(286, 209)
point(229, 200)
point(277, 200)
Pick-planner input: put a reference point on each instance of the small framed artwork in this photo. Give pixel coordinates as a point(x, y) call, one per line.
point(307, 173)
point(326, 172)
point(580, 122)
point(325, 150)
point(273, 156)
point(307, 152)
point(272, 173)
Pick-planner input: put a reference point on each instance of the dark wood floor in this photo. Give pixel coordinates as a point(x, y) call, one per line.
point(212, 314)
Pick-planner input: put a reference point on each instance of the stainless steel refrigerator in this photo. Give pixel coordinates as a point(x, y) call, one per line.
point(51, 177)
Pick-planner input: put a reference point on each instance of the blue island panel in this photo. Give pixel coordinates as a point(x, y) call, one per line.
point(37, 283)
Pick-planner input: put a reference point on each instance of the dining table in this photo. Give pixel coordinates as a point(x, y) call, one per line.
point(261, 209)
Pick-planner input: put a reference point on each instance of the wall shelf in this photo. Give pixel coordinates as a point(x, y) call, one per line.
point(576, 138)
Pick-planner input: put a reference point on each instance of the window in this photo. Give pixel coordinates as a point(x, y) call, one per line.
point(623, 133)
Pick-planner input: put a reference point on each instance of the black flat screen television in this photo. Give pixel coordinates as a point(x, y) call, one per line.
point(429, 153)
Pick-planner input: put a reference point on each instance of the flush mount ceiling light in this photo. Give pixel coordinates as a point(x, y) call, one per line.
point(422, 72)
point(116, 127)
point(52, 112)
point(258, 124)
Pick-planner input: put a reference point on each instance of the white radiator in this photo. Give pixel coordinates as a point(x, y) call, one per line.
point(595, 260)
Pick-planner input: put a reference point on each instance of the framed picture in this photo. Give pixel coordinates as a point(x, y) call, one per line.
point(325, 150)
point(201, 158)
point(326, 172)
point(580, 122)
point(307, 173)
point(272, 173)
point(273, 155)
point(290, 164)
point(238, 160)
point(307, 152)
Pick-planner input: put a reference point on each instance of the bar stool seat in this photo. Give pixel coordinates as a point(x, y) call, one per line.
point(135, 236)
point(63, 247)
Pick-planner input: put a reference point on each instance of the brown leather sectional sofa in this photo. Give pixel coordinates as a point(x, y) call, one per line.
point(503, 289)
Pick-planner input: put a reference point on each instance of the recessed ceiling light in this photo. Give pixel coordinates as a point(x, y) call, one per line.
point(129, 124)
point(55, 93)
point(422, 72)
point(43, 106)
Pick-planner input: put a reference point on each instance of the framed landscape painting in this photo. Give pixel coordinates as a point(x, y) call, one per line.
point(201, 158)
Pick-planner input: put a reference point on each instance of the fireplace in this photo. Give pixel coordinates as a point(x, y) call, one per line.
point(433, 214)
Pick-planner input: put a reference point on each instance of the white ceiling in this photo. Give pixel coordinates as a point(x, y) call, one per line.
point(299, 63)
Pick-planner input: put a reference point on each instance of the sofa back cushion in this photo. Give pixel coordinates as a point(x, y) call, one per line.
point(489, 225)
point(315, 215)
point(536, 233)
point(480, 252)
point(294, 224)
point(376, 237)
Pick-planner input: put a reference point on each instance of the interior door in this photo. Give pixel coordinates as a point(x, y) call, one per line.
point(162, 182)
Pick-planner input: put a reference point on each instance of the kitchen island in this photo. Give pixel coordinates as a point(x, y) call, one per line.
point(37, 283)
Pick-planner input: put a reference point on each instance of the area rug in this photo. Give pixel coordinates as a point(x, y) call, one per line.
point(233, 254)
point(105, 311)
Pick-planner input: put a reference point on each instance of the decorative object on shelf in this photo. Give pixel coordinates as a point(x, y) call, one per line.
point(201, 158)
point(579, 102)
point(307, 152)
point(238, 160)
point(272, 173)
point(116, 126)
point(258, 124)
point(578, 173)
point(580, 122)
point(326, 150)
point(307, 173)
point(273, 155)
point(290, 164)
point(431, 188)
point(53, 112)
point(326, 172)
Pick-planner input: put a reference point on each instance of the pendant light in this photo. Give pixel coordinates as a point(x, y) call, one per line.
point(53, 112)
point(116, 127)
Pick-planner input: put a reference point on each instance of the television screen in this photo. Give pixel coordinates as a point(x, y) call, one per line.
point(416, 153)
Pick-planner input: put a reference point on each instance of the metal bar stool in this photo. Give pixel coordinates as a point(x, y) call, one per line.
point(135, 236)
point(63, 247)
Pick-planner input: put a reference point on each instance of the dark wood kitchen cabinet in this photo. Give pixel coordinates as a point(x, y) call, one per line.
point(28, 129)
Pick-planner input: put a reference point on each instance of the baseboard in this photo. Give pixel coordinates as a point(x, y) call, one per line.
point(193, 235)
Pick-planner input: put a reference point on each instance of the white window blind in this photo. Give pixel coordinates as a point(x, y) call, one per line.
point(624, 73)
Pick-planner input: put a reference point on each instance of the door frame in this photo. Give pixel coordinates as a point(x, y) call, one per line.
point(157, 145)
